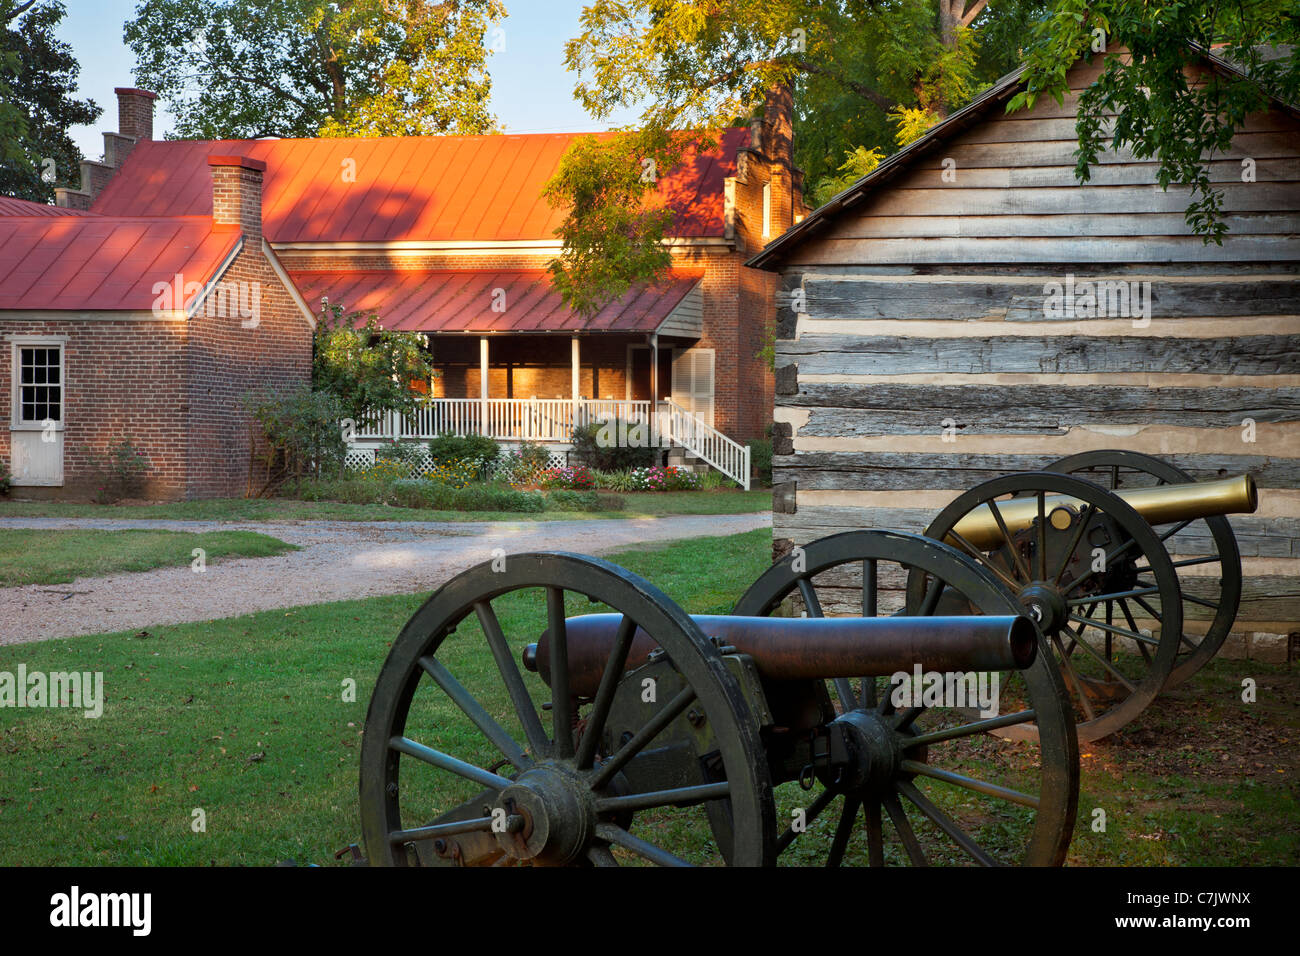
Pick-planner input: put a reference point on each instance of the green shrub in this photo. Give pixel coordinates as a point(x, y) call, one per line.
point(595, 445)
point(451, 447)
point(418, 493)
point(120, 471)
point(583, 501)
point(409, 453)
point(6, 480)
point(525, 465)
point(760, 458)
point(300, 435)
point(714, 481)
point(384, 470)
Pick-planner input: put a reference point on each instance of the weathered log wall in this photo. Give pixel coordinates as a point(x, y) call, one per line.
point(924, 344)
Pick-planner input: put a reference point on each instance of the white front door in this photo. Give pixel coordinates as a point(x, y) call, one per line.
point(39, 412)
point(692, 386)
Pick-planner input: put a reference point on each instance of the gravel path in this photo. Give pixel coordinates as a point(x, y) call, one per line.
point(339, 560)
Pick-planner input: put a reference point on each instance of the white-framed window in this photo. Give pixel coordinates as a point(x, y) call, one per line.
point(767, 210)
point(38, 396)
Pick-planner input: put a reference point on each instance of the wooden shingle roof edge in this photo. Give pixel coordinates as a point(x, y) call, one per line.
point(1001, 91)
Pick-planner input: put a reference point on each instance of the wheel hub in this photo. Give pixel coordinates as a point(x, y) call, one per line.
point(874, 752)
point(1046, 606)
point(559, 817)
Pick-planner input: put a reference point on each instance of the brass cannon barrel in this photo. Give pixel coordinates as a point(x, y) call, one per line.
point(1160, 504)
point(785, 648)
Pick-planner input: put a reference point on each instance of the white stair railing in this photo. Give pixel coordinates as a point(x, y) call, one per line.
point(704, 441)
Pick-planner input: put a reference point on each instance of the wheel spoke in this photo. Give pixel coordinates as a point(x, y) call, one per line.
point(642, 848)
point(519, 696)
point(514, 822)
point(1113, 629)
point(984, 559)
point(844, 688)
point(1072, 678)
point(931, 599)
point(909, 715)
point(609, 681)
point(869, 588)
point(1042, 535)
point(561, 702)
point(449, 763)
point(843, 830)
point(600, 856)
point(898, 816)
point(1116, 596)
point(812, 813)
point(870, 608)
point(970, 783)
point(1175, 529)
point(1201, 601)
point(662, 798)
point(967, 730)
point(1110, 668)
point(941, 820)
point(875, 835)
point(472, 709)
point(1006, 536)
point(809, 595)
point(657, 723)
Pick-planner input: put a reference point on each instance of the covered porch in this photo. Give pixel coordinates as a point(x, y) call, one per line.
point(514, 363)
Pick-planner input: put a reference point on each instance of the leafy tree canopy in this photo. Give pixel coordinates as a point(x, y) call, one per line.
point(864, 73)
point(249, 68)
point(38, 76)
point(1147, 101)
point(368, 367)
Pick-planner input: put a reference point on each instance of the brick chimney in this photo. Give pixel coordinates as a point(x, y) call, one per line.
point(778, 125)
point(135, 112)
point(134, 123)
point(237, 194)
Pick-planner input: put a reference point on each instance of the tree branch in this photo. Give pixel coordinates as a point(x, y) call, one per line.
point(969, 17)
point(20, 10)
point(864, 91)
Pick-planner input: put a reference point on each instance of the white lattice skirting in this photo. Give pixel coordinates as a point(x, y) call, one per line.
point(358, 458)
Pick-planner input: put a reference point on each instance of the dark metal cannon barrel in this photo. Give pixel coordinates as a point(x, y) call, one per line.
point(785, 648)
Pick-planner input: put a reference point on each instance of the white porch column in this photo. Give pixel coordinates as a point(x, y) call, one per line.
point(483, 385)
point(576, 382)
point(654, 386)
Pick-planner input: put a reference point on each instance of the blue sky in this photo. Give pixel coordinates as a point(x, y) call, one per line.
point(531, 92)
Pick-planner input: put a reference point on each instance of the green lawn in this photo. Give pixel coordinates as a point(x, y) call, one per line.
point(245, 720)
point(639, 505)
point(57, 556)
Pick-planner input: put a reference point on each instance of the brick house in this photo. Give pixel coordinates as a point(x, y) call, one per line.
point(145, 327)
point(448, 236)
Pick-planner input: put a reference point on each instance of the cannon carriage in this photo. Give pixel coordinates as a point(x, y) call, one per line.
point(554, 709)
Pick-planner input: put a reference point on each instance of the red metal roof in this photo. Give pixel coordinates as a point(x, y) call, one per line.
point(457, 301)
point(91, 263)
point(484, 188)
point(23, 207)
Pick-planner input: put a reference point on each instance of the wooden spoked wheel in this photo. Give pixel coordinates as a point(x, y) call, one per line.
point(1204, 552)
point(928, 783)
point(459, 768)
point(1094, 575)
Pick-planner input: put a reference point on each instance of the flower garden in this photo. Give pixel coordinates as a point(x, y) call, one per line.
point(472, 474)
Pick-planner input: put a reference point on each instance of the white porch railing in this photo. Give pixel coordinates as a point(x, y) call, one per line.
point(553, 420)
point(702, 439)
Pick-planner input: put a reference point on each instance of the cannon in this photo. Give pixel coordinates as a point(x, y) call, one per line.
point(1090, 561)
point(559, 710)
